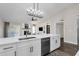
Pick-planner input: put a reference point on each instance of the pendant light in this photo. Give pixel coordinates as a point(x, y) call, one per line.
point(35, 12)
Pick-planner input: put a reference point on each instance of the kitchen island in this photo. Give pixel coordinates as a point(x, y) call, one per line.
point(29, 47)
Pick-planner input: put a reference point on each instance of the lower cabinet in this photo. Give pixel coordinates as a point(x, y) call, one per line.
point(8, 53)
point(23, 51)
point(54, 43)
point(57, 41)
point(8, 50)
point(30, 48)
point(25, 48)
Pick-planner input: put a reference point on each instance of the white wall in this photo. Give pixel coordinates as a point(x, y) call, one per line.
point(43, 24)
point(1, 28)
point(69, 16)
point(14, 28)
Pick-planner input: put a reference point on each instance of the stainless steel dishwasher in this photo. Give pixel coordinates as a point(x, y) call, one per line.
point(45, 46)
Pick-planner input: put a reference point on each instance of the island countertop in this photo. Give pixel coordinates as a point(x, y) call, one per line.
point(16, 39)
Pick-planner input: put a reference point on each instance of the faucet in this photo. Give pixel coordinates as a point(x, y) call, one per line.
point(26, 34)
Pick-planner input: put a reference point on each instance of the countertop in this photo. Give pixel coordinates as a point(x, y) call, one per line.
point(16, 39)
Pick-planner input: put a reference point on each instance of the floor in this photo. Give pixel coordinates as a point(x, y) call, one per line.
point(58, 53)
point(66, 49)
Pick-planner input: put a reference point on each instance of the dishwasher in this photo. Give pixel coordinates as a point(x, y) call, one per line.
point(45, 46)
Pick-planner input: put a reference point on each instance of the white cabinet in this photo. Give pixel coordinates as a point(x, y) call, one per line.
point(22, 48)
point(54, 42)
point(8, 53)
point(37, 47)
point(22, 51)
point(29, 48)
point(8, 50)
point(57, 41)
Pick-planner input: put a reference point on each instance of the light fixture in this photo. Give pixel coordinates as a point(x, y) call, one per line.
point(35, 12)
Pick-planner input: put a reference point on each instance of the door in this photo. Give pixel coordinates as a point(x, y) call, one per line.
point(60, 31)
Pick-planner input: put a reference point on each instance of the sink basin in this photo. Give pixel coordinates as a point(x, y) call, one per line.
point(26, 38)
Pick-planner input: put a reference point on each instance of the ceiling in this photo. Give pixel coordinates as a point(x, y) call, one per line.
point(16, 12)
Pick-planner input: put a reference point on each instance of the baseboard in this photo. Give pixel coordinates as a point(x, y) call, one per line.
point(67, 43)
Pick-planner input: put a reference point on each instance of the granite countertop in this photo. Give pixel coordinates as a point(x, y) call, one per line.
point(16, 39)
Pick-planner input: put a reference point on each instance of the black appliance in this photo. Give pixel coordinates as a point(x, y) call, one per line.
point(40, 28)
point(45, 46)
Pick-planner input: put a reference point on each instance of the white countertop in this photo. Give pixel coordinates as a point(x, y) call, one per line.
point(16, 39)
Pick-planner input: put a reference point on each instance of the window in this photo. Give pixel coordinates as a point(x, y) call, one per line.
point(34, 29)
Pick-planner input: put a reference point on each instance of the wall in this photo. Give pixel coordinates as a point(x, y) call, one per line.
point(14, 29)
point(1, 28)
point(43, 24)
point(69, 15)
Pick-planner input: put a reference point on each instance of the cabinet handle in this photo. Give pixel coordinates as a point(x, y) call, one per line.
point(31, 49)
point(15, 53)
point(56, 41)
point(7, 48)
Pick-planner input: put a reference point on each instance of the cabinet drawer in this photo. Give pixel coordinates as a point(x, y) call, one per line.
point(8, 47)
point(20, 44)
point(26, 43)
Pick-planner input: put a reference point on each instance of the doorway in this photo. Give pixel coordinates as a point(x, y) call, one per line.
point(60, 31)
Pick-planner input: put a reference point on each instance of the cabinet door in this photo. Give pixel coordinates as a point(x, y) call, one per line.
point(9, 53)
point(52, 44)
point(38, 45)
point(23, 51)
point(35, 48)
point(57, 41)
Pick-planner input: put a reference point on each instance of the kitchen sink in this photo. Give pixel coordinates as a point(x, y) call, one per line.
point(26, 38)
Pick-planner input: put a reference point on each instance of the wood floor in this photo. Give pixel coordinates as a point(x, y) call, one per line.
point(66, 49)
